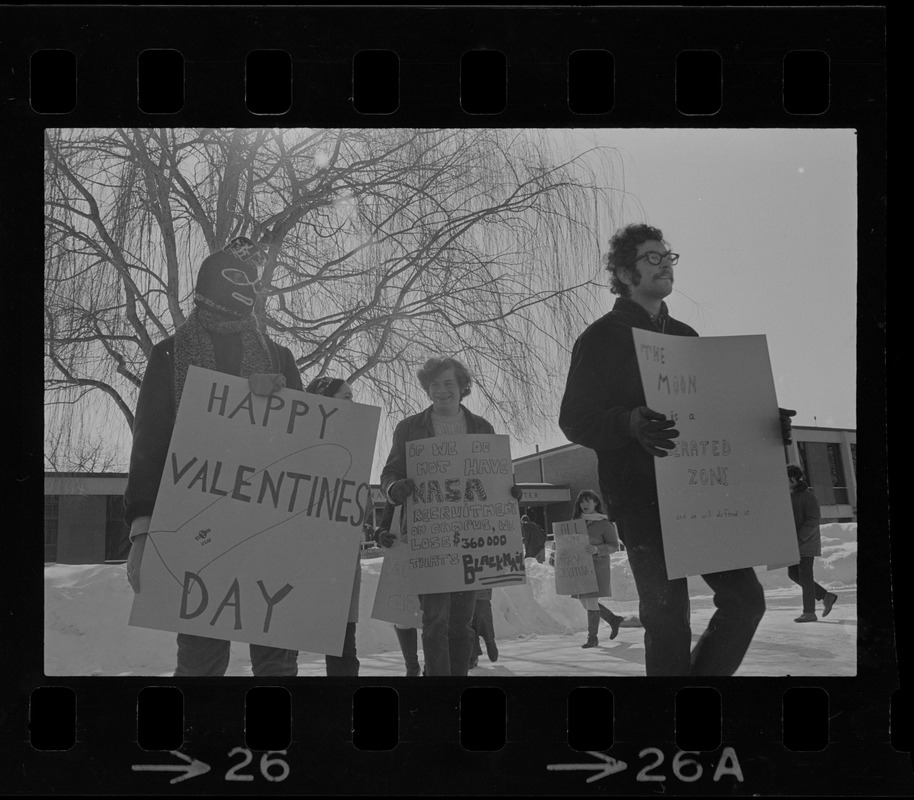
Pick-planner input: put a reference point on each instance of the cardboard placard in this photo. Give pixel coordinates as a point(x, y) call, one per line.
point(259, 516)
point(723, 493)
point(394, 600)
point(463, 525)
point(574, 569)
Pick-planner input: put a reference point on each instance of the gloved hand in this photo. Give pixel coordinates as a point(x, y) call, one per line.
point(139, 529)
point(264, 383)
point(400, 490)
point(516, 492)
point(590, 549)
point(654, 432)
point(386, 538)
point(786, 424)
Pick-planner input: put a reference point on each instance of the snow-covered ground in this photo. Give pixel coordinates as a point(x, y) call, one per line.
point(87, 607)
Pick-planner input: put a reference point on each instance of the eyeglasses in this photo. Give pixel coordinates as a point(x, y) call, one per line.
point(656, 259)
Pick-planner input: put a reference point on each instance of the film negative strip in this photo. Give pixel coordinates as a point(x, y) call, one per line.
point(822, 713)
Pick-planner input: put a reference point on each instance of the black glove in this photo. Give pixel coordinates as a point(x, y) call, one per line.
point(400, 490)
point(516, 492)
point(654, 432)
point(385, 538)
point(786, 424)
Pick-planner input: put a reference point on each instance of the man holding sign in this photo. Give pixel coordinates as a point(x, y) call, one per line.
point(220, 334)
point(447, 615)
point(604, 408)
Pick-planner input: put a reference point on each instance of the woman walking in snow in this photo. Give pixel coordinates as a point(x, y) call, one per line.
point(603, 541)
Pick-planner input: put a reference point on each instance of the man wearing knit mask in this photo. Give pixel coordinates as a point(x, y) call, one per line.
point(221, 334)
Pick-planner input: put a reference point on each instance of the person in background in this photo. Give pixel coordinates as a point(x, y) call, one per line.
point(221, 334)
point(483, 627)
point(603, 541)
point(407, 637)
point(534, 539)
point(346, 664)
point(604, 408)
point(447, 633)
point(806, 517)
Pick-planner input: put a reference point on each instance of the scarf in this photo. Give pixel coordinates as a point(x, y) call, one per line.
point(194, 346)
point(593, 517)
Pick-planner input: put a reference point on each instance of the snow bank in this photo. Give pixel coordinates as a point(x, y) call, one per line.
point(87, 608)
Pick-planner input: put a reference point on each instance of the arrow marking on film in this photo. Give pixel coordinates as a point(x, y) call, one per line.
point(609, 767)
point(191, 769)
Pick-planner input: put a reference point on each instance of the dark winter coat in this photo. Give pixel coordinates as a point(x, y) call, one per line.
point(603, 386)
point(806, 516)
point(154, 420)
point(602, 535)
point(419, 426)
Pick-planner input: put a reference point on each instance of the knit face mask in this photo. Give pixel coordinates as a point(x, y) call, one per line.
point(228, 281)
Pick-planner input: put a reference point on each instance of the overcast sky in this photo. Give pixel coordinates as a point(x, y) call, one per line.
point(765, 222)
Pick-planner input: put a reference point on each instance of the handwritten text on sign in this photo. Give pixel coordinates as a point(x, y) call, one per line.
point(723, 493)
point(574, 569)
point(463, 527)
point(259, 515)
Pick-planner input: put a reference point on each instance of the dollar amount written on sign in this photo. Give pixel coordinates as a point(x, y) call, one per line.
point(463, 525)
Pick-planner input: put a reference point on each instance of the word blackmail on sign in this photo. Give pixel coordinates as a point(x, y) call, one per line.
point(463, 526)
point(574, 569)
point(723, 493)
point(258, 519)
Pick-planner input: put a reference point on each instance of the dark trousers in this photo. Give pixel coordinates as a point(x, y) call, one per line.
point(347, 664)
point(200, 656)
point(447, 632)
point(483, 626)
point(664, 607)
point(802, 574)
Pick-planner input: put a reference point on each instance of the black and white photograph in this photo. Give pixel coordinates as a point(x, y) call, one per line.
point(489, 276)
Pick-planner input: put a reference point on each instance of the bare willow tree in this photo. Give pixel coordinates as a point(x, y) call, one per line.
point(385, 246)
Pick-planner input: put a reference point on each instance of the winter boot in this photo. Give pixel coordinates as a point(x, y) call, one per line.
point(409, 646)
point(593, 623)
point(614, 620)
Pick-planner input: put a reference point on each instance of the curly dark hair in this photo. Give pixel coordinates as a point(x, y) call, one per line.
point(795, 472)
point(435, 366)
point(583, 494)
point(623, 249)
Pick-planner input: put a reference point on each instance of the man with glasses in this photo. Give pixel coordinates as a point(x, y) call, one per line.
point(604, 409)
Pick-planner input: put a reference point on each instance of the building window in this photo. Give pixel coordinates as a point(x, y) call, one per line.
point(117, 536)
point(51, 516)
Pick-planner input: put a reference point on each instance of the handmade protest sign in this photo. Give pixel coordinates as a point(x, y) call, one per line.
point(463, 526)
point(574, 569)
point(394, 600)
point(723, 493)
point(258, 520)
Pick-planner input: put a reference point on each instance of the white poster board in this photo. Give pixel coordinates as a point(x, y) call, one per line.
point(723, 492)
point(394, 600)
point(463, 525)
point(574, 569)
point(259, 515)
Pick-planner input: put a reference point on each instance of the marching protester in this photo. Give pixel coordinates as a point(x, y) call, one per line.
point(407, 636)
point(604, 408)
point(447, 634)
point(483, 628)
point(221, 334)
point(534, 539)
point(346, 664)
point(603, 541)
point(806, 517)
